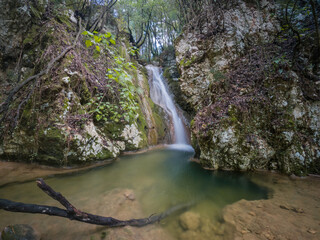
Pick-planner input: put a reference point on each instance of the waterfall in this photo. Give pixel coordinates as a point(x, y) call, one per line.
point(160, 95)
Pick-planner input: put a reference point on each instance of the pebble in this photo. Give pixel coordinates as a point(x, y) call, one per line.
point(130, 196)
point(252, 213)
point(244, 231)
point(312, 231)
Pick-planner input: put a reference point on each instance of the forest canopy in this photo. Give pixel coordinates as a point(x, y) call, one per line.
point(153, 25)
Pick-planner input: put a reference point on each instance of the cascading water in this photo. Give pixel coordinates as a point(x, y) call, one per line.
point(160, 95)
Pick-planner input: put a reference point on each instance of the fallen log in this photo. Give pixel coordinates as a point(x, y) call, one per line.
point(72, 213)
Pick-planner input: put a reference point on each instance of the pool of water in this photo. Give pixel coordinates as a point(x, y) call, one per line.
point(159, 180)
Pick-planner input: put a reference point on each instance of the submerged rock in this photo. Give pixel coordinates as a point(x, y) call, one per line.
point(189, 235)
point(289, 214)
point(190, 220)
point(19, 232)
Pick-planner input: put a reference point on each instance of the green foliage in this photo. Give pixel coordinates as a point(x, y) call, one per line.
point(99, 40)
point(133, 51)
point(105, 111)
point(119, 82)
point(127, 91)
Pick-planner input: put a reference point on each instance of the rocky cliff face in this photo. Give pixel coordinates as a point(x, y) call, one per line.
point(73, 113)
point(253, 110)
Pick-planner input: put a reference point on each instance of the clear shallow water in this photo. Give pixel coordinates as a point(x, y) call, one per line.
point(159, 179)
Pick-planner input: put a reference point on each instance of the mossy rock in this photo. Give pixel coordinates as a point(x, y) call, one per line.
point(19, 232)
point(52, 144)
point(112, 129)
point(159, 117)
point(143, 129)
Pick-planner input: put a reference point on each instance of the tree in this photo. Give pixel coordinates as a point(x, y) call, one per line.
point(95, 13)
point(152, 25)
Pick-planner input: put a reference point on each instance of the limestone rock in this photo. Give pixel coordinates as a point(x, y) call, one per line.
point(280, 131)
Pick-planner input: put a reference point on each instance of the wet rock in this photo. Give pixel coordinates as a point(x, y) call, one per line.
point(130, 195)
point(189, 220)
point(19, 232)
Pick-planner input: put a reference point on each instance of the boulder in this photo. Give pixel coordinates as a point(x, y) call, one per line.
point(190, 221)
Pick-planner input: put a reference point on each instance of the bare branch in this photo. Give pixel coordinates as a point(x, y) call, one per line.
point(73, 213)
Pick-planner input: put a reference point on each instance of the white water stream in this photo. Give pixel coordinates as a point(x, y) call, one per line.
point(160, 95)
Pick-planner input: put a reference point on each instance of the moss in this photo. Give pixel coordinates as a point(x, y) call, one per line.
point(36, 12)
point(160, 126)
point(29, 119)
point(217, 75)
point(181, 63)
point(158, 116)
point(145, 79)
point(66, 103)
point(84, 93)
point(32, 35)
point(51, 149)
point(192, 123)
point(50, 92)
point(112, 130)
point(103, 155)
point(65, 20)
point(144, 71)
point(143, 128)
point(123, 52)
point(166, 73)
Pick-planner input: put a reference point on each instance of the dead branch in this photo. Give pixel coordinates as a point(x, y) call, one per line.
point(72, 213)
point(14, 91)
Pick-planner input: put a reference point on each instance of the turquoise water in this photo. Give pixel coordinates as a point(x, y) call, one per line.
point(158, 179)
